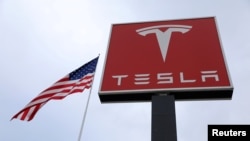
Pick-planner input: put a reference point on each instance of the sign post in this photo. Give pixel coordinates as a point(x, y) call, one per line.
point(163, 118)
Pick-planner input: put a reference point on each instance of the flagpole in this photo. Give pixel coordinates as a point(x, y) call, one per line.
point(86, 109)
point(84, 116)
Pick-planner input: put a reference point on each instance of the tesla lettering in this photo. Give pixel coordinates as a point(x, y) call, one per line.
point(166, 78)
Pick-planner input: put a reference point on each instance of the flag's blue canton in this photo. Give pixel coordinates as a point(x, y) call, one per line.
point(84, 70)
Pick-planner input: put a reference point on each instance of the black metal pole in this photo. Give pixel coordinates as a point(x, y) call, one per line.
point(163, 118)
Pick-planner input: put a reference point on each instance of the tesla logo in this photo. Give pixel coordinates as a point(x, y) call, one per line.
point(163, 38)
point(167, 78)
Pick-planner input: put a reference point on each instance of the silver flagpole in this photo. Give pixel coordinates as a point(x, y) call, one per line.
point(86, 108)
point(85, 113)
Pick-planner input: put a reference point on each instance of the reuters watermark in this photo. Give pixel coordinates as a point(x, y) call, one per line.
point(225, 132)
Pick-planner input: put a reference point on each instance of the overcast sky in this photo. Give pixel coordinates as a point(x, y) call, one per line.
point(43, 40)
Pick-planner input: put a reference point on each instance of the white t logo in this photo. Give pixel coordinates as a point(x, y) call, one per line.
point(163, 38)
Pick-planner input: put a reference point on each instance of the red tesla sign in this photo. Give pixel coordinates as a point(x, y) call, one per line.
point(180, 57)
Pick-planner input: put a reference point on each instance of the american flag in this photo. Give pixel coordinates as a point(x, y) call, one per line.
point(74, 82)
